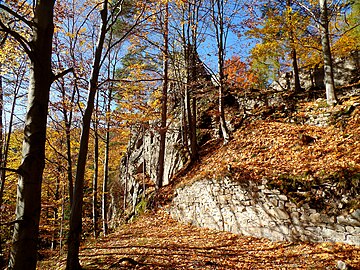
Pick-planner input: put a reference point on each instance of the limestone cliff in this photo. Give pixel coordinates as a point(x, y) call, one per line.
point(138, 168)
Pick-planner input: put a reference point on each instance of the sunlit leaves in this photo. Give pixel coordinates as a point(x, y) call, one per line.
point(239, 74)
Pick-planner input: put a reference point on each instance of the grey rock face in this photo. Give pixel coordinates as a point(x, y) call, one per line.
point(138, 168)
point(346, 71)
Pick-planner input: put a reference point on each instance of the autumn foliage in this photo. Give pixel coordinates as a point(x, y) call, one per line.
point(126, 93)
point(239, 75)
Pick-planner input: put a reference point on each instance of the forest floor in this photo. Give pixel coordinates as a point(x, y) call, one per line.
point(155, 241)
point(260, 149)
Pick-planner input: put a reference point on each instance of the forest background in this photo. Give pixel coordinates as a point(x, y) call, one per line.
point(77, 76)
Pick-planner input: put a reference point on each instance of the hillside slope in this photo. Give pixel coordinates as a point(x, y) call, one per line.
point(289, 155)
point(292, 156)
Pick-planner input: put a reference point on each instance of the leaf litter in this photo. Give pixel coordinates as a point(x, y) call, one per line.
point(156, 241)
point(264, 149)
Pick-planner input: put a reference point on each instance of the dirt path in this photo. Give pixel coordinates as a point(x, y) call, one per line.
point(155, 241)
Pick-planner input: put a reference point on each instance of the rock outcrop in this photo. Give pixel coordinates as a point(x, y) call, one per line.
point(138, 168)
point(346, 71)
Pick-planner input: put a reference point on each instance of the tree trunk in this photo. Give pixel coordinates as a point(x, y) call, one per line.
point(104, 205)
point(2, 173)
point(223, 126)
point(218, 21)
point(293, 51)
point(69, 169)
point(5, 151)
point(296, 70)
point(76, 208)
point(190, 58)
point(2, 158)
point(61, 232)
point(328, 64)
point(190, 109)
point(193, 86)
point(163, 126)
point(184, 126)
point(23, 253)
point(105, 182)
point(96, 170)
point(54, 241)
point(67, 122)
point(126, 180)
point(6, 144)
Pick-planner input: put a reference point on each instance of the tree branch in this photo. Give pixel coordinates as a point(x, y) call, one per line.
point(10, 170)
point(133, 81)
point(63, 73)
point(10, 223)
point(309, 11)
point(16, 15)
point(19, 38)
point(56, 151)
point(3, 39)
point(137, 22)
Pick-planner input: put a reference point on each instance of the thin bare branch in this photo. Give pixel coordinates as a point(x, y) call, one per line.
point(10, 170)
point(18, 37)
point(16, 15)
point(10, 223)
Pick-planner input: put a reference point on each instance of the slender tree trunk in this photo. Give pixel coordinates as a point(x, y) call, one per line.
point(76, 208)
point(55, 210)
point(191, 100)
point(69, 170)
point(2, 158)
point(189, 33)
point(163, 126)
point(106, 179)
point(61, 232)
point(293, 51)
point(5, 150)
point(185, 126)
point(296, 70)
point(67, 122)
point(104, 201)
point(218, 21)
point(190, 106)
point(223, 126)
point(96, 169)
point(126, 180)
point(1, 121)
point(328, 64)
point(23, 253)
point(2, 173)
point(193, 107)
point(6, 144)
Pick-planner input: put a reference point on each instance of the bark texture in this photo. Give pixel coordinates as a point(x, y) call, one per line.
point(23, 253)
point(328, 63)
point(160, 175)
point(76, 207)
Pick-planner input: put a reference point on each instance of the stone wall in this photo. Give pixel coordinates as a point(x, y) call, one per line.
point(254, 210)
